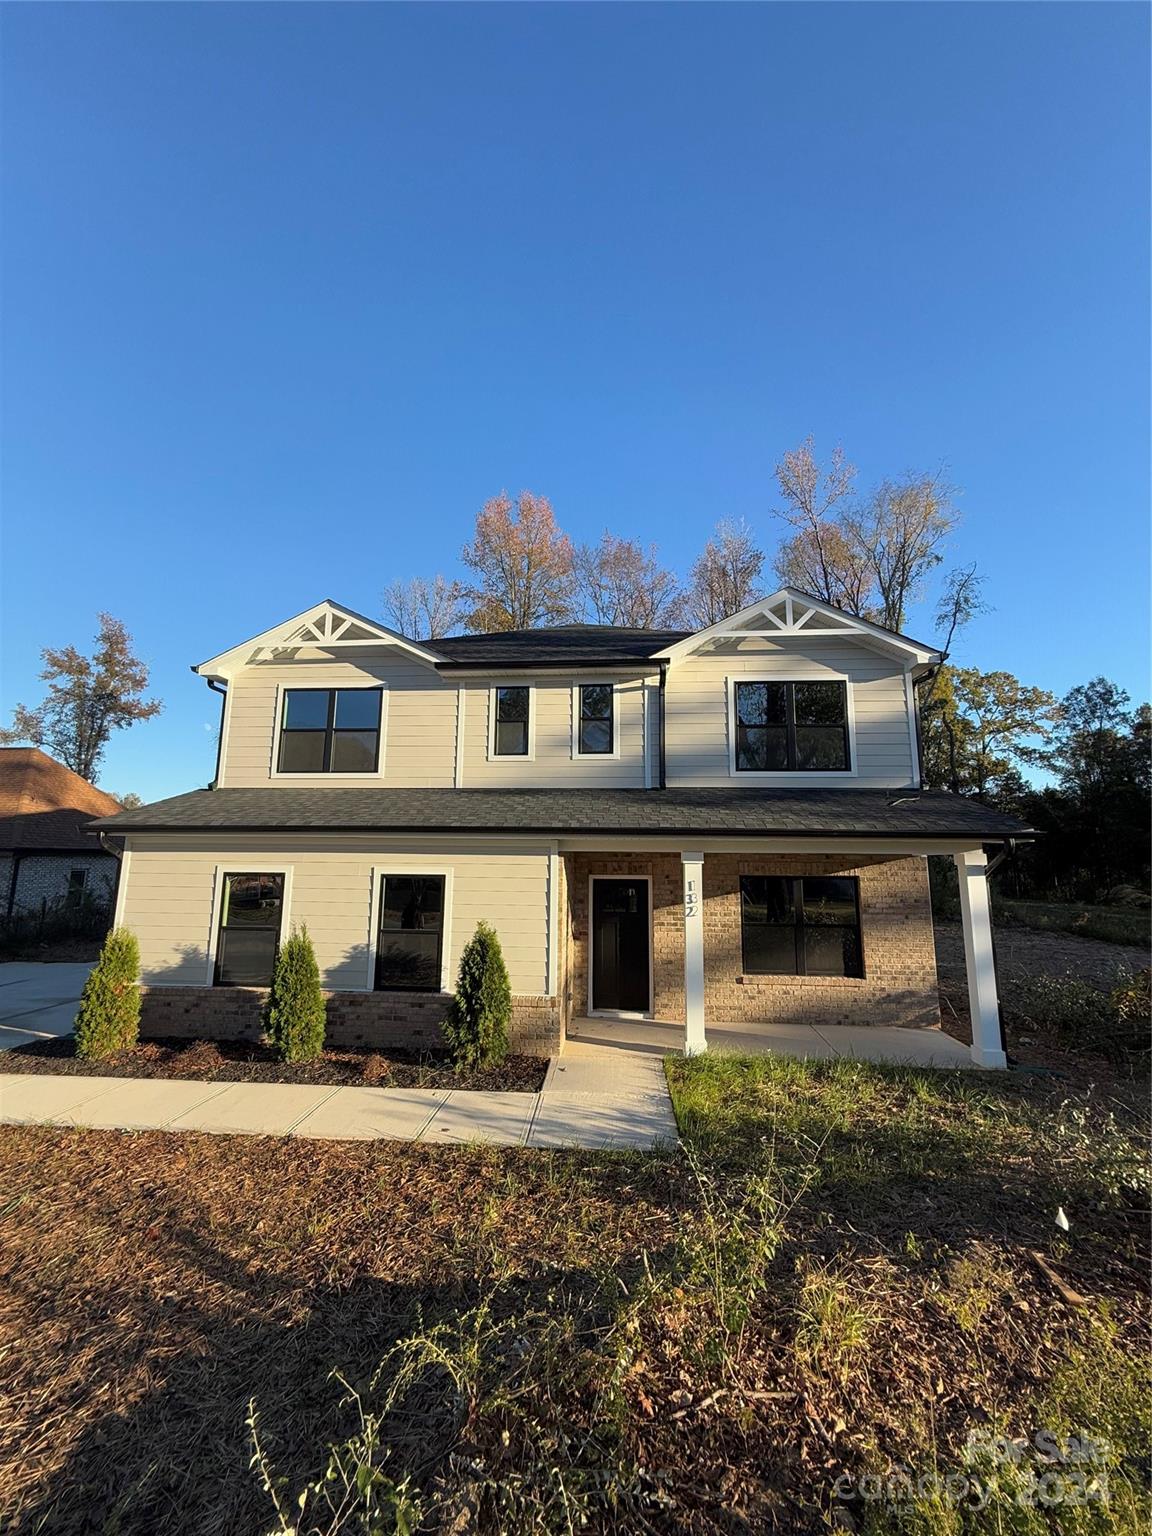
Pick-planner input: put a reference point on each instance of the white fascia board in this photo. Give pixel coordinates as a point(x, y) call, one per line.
point(847, 623)
point(225, 664)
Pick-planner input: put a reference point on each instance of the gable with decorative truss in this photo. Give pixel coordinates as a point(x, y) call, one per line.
point(327, 627)
point(790, 613)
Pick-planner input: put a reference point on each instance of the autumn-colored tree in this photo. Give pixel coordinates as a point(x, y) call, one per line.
point(870, 557)
point(89, 697)
point(980, 727)
point(424, 608)
point(726, 576)
point(524, 565)
point(129, 802)
point(621, 582)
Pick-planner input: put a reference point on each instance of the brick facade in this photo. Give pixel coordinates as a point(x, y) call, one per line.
point(371, 1019)
point(899, 982)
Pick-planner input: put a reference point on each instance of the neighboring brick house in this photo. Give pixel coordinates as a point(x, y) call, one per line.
point(724, 825)
point(49, 855)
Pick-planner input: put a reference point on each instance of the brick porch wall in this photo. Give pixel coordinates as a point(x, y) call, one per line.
point(371, 1019)
point(899, 985)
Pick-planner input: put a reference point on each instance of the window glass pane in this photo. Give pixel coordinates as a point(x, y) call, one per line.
point(761, 703)
point(829, 899)
point(596, 736)
point(770, 949)
point(246, 957)
point(596, 701)
point(253, 901)
point(767, 899)
point(821, 747)
point(306, 709)
point(357, 709)
point(302, 752)
point(353, 751)
point(408, 962)
point(832, 951)
point(512, 704)
point(512, 738)
point(761, 749)
point(411, 921)
point(820, 703)
point(412, 902)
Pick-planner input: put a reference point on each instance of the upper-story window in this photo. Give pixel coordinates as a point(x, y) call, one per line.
point(595, 724)
point(511, 719)
point(791, 727)
point(330, 730)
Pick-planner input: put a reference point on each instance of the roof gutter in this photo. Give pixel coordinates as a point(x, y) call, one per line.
point(968, 835)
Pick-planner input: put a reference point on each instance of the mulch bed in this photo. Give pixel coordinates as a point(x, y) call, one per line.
point(240, 1061)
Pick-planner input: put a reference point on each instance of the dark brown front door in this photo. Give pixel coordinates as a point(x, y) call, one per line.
point(620, 940)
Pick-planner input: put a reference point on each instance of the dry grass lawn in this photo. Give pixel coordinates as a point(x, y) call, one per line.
point(848, 1271)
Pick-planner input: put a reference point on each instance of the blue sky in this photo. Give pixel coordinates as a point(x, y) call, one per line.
point(290, 290)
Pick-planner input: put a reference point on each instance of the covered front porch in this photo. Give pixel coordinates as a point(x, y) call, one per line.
point(660, 950)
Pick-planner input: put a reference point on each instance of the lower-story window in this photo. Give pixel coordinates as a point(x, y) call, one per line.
point(409, 945)
point(251, 910)
point(793, 925)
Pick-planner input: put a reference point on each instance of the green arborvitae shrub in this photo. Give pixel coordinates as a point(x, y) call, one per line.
point(477, 1025)
point(295, 1011)
point(109, 1016)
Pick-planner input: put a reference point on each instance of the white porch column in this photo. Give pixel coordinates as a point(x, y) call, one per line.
point(694, 1040)
point(983, 1003)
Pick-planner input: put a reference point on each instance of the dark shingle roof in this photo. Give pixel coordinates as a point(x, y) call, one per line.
point(732, 812)
point(564, 645)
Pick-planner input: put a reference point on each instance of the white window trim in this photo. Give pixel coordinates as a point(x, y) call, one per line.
point(395, 868)
point(792, 775)
point(596, 757)
point(241, 866)
point(329, 778)
point(616, 1013)
point(512, 757)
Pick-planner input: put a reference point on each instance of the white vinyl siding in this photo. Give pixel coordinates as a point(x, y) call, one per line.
point(169, 902)
point(418, 737)
point(698, 701)
point(552, 761)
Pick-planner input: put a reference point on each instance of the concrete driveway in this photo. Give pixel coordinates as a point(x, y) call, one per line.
point(38, 1001)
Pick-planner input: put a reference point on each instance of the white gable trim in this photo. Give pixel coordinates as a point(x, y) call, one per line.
point(806, 616)
point(326, 625)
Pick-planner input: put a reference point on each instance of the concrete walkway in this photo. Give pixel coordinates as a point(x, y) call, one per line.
point(38, 1000)
point(593, 1104)
point(591, 1038)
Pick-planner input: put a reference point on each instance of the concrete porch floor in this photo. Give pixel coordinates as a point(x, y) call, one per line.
point(894, 1047)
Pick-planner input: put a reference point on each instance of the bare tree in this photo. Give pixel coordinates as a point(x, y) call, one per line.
point(89, 697)
point(424, 608)
point(726, 576)
point(524, 565)
point(820, 558)
point(621, 582)
point(897, 536)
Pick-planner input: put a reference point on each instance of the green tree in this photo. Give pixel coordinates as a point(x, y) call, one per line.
point(109, 1016)
point(980, 727)
point(89, 697)
point(295, 1013)
point(477, 1025)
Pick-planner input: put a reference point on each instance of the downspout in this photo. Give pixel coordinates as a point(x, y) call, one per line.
point(13, 881)
point(663, 779)
point(217, 687)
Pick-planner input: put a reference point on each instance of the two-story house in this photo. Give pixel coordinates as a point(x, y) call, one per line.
point(724, 825)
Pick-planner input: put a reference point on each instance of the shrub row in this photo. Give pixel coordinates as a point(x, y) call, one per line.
point(1114, 1023)
point(294, 1016)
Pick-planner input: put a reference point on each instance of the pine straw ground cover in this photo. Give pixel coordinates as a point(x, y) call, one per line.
point(846, 1271)
point(242, 1061)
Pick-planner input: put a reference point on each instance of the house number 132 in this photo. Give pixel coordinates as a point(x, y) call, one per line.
point(691, 899)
